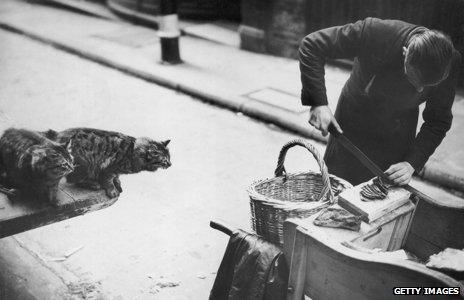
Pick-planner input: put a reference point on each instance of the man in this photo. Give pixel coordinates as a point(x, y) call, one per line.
point(397, 66)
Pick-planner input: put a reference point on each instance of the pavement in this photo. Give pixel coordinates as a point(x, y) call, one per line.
point(260, 86)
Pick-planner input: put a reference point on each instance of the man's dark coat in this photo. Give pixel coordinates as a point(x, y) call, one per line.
point(378, 107)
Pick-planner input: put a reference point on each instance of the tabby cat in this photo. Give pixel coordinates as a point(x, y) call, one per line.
point(32, 165)
point(101, 156)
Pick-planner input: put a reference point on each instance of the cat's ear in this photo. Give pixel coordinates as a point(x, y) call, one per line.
point(51, 134)
point(68, 146)
point(165, 143)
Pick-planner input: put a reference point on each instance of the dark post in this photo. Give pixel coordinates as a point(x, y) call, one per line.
point(169, 32)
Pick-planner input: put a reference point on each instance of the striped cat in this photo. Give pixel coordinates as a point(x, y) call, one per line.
point(101, 156)
point(32, 165)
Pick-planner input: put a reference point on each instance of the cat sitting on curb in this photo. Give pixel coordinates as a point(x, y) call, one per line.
point(101, 156)
point(32, 165)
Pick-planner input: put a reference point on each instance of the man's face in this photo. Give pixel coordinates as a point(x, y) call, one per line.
point(413, 74)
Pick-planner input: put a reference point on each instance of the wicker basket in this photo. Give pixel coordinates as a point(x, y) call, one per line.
point(299, 195)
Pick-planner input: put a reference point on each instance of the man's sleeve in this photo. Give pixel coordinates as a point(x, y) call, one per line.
point(437, 117)
point(330, 43)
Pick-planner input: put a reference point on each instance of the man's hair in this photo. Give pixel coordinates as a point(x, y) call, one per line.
point(430, 52)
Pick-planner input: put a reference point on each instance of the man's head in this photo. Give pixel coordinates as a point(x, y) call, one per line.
point(427, 58)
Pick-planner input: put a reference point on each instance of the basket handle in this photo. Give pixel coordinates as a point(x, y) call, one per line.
point(280, 169)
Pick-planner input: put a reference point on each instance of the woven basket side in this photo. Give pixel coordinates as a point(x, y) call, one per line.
point(270, 224)
point(299, 187)
point(268, 214)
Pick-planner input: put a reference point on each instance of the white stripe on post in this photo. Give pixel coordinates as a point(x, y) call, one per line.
point(169, 26)
point(169, 32)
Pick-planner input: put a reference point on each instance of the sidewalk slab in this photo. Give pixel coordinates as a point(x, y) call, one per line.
point(260, 86)
point(218, 31)
point(31, 280)
point(446, 166)
point(85, 6)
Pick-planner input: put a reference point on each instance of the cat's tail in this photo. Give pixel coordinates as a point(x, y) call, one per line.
point(50, 134)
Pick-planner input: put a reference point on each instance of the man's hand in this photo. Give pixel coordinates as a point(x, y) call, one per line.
point(321, 117)
point(400, 173)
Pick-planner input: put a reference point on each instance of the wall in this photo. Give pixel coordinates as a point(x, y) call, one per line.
point(201, 9)
point(277, 26)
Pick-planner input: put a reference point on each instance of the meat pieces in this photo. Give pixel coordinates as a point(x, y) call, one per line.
point(338, 218)
point(377, 190)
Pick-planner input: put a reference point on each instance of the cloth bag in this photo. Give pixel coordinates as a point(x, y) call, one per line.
point(251, 268)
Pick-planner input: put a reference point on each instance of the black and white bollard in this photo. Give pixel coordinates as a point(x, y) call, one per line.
point(169, 32)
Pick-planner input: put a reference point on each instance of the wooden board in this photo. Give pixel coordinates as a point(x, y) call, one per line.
point(350, 199)
point(336, 272)
point(22, 215)
point(394, 240)
point(436, 225)
point(391, 235)
point(322, 268)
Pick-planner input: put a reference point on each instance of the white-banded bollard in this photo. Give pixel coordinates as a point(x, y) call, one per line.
point(169, 32)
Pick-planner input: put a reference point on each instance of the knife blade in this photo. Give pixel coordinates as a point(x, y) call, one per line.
point(363, 158)
point(368, 163)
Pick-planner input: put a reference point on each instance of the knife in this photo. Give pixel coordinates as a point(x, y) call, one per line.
point(368, 163)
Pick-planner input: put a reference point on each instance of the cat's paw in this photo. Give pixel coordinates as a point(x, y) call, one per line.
point(54, 201)
point(90, 185)
point(13, 194)
point(50, 196)
point(112, 193)
point(117, 184)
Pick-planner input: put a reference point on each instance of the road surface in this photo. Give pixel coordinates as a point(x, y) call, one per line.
point(155, 242)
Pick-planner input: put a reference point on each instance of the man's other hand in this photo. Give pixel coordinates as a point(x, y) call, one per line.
point(321, 117)
point(400, 173)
